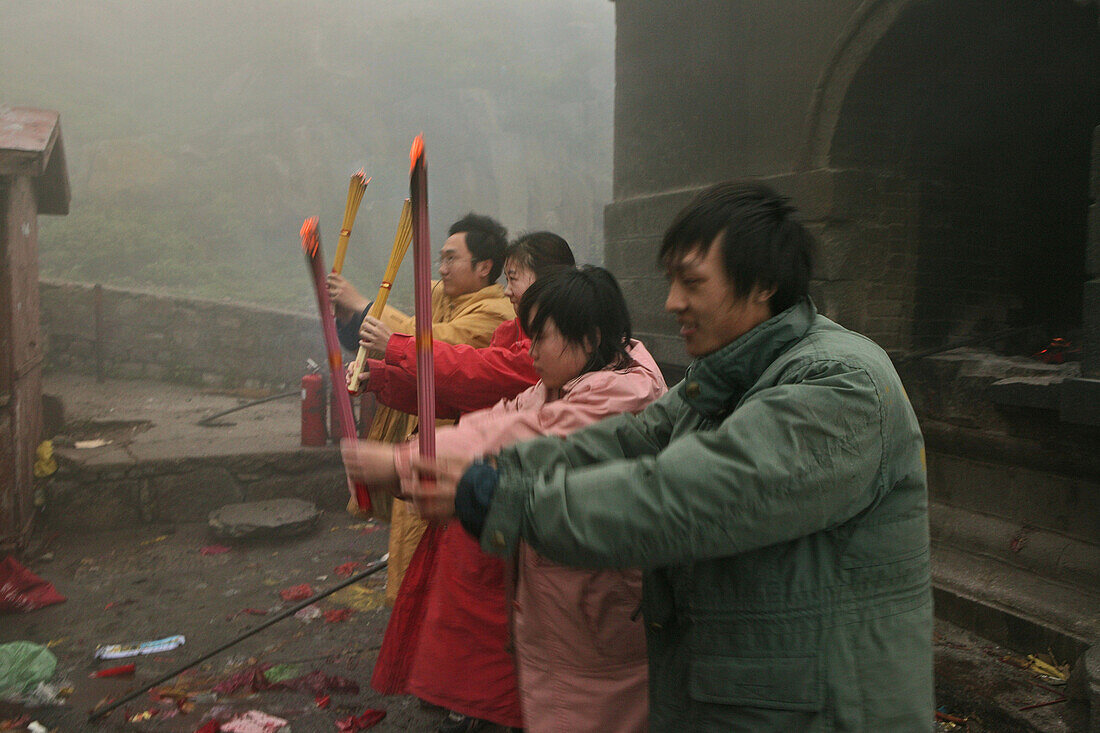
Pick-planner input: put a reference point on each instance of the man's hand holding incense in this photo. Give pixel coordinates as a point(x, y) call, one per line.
point(432, 483)
point(345, 298)
point(374, 335)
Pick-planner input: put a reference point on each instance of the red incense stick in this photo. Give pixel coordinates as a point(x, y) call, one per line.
point(311, 243)
point(422, 274)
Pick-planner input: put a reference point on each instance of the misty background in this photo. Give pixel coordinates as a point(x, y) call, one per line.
point(199, 133)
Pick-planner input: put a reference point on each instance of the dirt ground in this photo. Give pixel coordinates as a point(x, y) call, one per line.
point(154, 582)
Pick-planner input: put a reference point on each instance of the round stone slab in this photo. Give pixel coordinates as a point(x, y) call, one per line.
point(271, 518)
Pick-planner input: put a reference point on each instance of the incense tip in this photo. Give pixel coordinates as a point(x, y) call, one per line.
point(416, 152)
point(359, 174)
point(310, 239)
point(367, 181)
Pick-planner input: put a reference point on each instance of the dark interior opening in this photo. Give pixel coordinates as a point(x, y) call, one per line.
point(986, 129)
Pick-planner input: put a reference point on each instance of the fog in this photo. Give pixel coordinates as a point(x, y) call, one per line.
point(199, 133)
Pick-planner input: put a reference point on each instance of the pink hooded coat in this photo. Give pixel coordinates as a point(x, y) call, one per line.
point(580, 646)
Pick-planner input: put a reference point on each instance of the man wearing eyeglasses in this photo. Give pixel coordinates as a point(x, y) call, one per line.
point(467, 306)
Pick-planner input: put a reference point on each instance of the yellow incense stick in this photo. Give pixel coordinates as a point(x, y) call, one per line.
point(401, 243)
point(356, 186)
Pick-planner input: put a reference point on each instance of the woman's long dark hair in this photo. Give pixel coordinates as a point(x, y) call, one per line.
point(540, 252)
point(585, 303)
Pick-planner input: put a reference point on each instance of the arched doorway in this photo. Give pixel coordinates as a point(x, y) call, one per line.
point(974, 122)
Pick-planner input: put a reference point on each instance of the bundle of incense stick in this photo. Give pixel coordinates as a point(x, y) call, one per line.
point(397, 254)
point(422, 278)
point(356, 186)
point(311, 243)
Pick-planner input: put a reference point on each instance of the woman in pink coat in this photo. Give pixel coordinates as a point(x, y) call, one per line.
point(580, 647)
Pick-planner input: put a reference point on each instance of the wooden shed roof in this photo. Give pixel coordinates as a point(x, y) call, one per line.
point(30, 145)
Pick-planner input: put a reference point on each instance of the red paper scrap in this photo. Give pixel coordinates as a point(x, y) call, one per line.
point(368, 719)
point(22, 590)
point(120, 671)
point(211, 726)
point(323, 700)
point(247, 612)
point(253, 676)
point(296, 593)
point(348, 569)
point(214, 550)
point(336, 615)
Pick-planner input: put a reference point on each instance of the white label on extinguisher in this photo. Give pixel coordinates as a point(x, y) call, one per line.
point(303, 394)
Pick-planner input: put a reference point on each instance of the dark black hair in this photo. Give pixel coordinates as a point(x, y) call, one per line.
point(485, 238)
point(585, 303)
point(763, 243)
point(540, 252)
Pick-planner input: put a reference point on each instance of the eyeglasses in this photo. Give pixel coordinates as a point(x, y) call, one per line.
point(450, 260)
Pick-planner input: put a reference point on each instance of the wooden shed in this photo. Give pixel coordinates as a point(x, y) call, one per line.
point(33, 181)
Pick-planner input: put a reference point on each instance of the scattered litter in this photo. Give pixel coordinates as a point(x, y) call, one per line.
point(348, 569)
point(24, 666)
point(142, 716)
point(323, 701)
point(15, 723)
point(336, 615)
point(253, 676)
point(368, 719)
point(155, 540)
point(22, 590)
point(282, 672)
point(254, 721)
point(297, 592)
point(309, 614)
point(359, 598)
point(943, 715)
point(320, 683)
point(36, 727)
point(124, 670)
point(256, 680)
point(120, 651)
point(44, 464)
point(247, 612)
point(47, 693)
point(214, 550)
point(211, 726)
point(86, 444)
point(1037, 665)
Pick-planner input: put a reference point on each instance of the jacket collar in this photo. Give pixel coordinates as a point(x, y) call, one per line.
point(714, 383)
point(486, 293)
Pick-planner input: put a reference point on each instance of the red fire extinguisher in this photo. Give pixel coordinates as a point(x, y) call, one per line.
point(313, 410)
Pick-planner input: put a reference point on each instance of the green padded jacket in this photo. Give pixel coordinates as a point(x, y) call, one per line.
point(777, 500)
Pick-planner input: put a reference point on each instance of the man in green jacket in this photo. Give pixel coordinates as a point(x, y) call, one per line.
point(776, 497)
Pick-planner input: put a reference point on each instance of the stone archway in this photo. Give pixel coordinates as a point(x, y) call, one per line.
point(969, 127)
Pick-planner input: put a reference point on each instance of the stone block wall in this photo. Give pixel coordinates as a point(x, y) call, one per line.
point(144, 335)
point(130, 493)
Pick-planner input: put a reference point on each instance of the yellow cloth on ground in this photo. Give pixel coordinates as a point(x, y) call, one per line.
point(468, 319)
